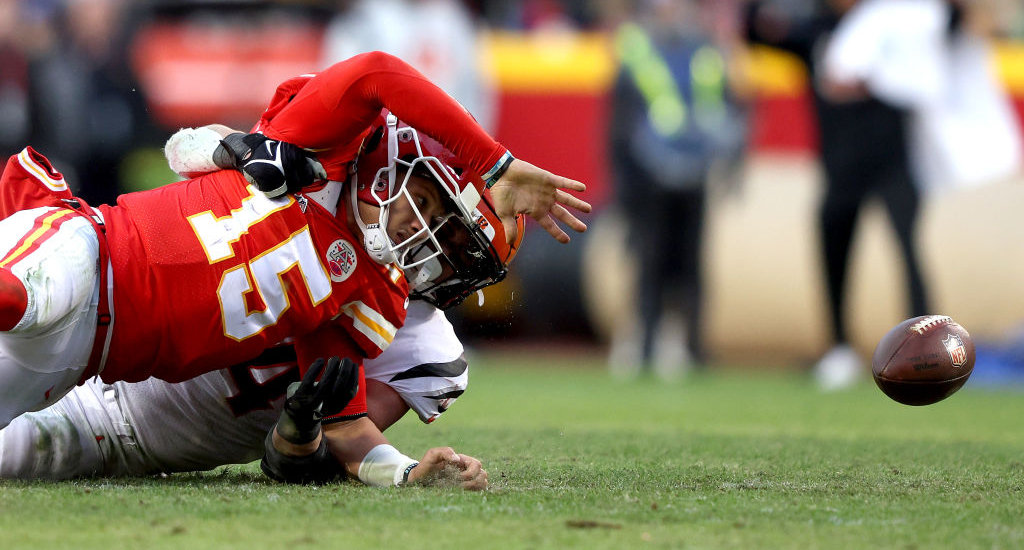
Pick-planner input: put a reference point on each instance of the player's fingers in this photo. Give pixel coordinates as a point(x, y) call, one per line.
point(477, 483)
point(348, 380)
point(567, 218)
point(470, 467)
point(344, 388)
point(572, 185)
point(511, 228)
point(552, 228)
point(318, 169)
point(312, 374)
point(572, 201)
point(331, 371)
point(437, 456)
point(325, 388)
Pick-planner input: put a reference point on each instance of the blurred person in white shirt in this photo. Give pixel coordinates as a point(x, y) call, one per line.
point(933, 58)
point(440, 38)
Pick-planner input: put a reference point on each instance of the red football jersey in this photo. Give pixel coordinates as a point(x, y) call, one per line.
point(192, 289)
point(332, 111)
point(223, 280)
point(209, 272)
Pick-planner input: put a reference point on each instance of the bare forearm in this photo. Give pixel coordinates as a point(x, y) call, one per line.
point(350, 442)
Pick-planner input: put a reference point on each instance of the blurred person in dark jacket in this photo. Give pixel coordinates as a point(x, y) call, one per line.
point(864, 152)
point(87, 110)
point(673, 118)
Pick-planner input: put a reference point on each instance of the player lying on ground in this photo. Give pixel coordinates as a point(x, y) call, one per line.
point(351, 427)
point(474, 255)
point(200, 269)
point(223, 417)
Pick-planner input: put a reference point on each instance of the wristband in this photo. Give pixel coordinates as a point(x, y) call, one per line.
point(494, 174)
point(385, 466)
point(405, 475)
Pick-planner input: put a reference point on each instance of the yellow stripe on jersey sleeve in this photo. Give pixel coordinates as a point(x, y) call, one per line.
point(370, 323)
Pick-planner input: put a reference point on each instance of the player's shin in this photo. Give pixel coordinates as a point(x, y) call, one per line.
point(13, 300)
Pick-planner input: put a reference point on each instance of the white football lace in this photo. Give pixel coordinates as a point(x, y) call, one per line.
point(930, 322)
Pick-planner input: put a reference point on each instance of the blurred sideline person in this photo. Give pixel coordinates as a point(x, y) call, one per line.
point(83, 84)
point(933, 58)
point(865, 152)
point(675, 117)
point(53, 341)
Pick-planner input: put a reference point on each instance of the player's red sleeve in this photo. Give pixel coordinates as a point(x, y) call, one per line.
point(30, 181)
point(336, 107)
point(331, 341)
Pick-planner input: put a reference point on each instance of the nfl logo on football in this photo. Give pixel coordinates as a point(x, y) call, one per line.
point(341, 260)
point(955, 348)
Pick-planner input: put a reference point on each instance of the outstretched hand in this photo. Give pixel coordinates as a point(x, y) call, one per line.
point(527, 189)
point(440, 462)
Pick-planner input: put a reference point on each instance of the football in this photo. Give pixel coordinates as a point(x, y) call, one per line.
point(923, 360)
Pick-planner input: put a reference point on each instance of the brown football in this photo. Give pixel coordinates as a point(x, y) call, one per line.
point(923, 360)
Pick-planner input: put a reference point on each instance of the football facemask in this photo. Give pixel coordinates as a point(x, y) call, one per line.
point(472, 256)
point(395, 153)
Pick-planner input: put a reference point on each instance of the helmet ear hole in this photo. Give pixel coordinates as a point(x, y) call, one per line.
point(373, 140)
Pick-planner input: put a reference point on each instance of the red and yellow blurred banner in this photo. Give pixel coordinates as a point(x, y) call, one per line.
point(552, 87)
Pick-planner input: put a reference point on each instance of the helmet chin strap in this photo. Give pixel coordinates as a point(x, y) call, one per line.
point(375, 239)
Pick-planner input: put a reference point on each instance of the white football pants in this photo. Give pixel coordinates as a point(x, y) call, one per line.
point(54, 252)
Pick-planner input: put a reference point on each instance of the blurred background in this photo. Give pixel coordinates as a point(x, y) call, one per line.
point(99, 85)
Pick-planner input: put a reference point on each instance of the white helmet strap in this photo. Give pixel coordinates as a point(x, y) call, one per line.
point(392, 133)
point(375, 239)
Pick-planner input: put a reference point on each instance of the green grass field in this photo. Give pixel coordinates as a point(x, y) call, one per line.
point(727, 458)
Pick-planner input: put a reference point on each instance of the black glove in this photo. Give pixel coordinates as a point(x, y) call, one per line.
point(309, 401)
point(274, 167)
point(317, 467)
